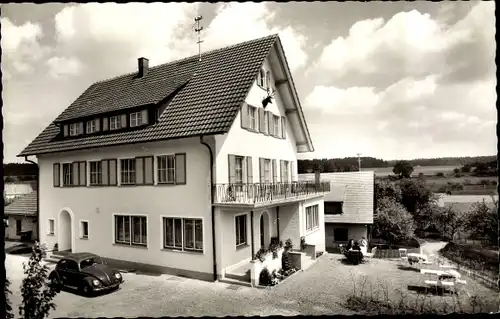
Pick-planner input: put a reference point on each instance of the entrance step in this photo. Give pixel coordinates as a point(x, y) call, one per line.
point(53, 257)
point(241, 276)
point(235, 282)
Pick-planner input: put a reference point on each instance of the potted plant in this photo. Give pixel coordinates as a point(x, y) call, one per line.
point(56, 247)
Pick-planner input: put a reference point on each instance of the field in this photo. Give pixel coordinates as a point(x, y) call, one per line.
point(427, 170)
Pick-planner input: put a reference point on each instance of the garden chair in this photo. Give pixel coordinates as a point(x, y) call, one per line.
point(403, 255)
point(372, 253)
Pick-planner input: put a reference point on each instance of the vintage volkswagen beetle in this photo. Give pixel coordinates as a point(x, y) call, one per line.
point(86, 272)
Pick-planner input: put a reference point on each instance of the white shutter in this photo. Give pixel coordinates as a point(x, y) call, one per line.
point(123, 121)
point(97, 125)
point(80, 128)
point(244, 116)
point(144, 116)
point(66, 130)
point(105, 124)
point(283, 127)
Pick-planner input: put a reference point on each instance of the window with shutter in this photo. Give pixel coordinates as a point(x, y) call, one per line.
point(148, 171)
point(123, 121)
point(244, 116)
point(252, 118)
point(127, 171)
point(135, 119)
point(238, 167)
point(180, 169)
point(283, 127)
point(67, 174)
point(105, 172)
point(139, 170)
point(249, 170)
point(56, 171)
point(76, 174)
point(115, 122)
point(166, 169)
point(262, 118)
point(95, 172)
point(145, 117)
point(113, 170)
point(105, 124)
point(275, 171)
point(83, 173)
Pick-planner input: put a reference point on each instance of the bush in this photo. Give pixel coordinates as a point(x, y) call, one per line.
point(265, 278)
point(286, 261)
point(288, 244)
point(482, 222)
point(393, 222)
point(440, 174)
point(37, 292)
point(456, 171)
point(303, 243)
point(260, 254)
point(8, 307)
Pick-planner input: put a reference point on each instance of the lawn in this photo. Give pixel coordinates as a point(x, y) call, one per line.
point(484, 259)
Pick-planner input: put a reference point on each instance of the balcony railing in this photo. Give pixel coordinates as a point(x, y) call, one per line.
point(266, 193)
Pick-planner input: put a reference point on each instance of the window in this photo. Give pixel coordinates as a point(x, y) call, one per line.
point(276, 121)
point(92, 126)
point(19, 224)
point(340, 234)
point(241, 230)
point(333, 208)
point(172, 169)
point(71, 265)
point(166, 169)
point(67, 174)
point(312, 217)
point(185, 234)
point(127, 167)
point(267, 171)
point(131, 230)
point(114, 123)
point(238, 168)
point(261, 78)
point(135, 119)
point(252, 117)
point(84, 229)
point(51, 227)
point(95, 173)
point(74, 129)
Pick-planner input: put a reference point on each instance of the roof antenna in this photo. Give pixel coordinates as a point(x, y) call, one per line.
point(198, 30)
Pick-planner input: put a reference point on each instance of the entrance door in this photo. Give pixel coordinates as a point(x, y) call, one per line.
point(262, 241)
point(18, 227)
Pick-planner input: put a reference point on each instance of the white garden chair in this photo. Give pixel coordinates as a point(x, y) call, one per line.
point(403, 255)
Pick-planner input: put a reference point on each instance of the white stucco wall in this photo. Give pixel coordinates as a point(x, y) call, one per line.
point(316, 236)
point(228, 254)
point(242, 142)
point(354, 231)
point(98, 205)
point(28, 223)
point(290, 223)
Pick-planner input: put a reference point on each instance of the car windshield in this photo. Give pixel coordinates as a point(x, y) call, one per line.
point(90, 262)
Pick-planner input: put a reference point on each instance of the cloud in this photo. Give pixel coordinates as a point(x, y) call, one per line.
point(62, 66)
point(354, 100)
point(21, 46)
point(413, 44)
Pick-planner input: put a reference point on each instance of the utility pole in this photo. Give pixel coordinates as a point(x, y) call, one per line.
point(198, 30)
point(359, 161)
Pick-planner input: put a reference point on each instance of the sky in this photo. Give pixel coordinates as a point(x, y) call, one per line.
point(392, 80)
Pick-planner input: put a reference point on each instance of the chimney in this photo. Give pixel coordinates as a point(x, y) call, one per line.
point(143, 67)
point(316, 176)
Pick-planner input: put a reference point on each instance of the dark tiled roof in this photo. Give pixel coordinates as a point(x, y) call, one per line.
point(208, 104)
point(24, 205)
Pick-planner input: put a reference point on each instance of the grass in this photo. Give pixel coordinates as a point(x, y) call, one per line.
point(376, 298)
point(482, 259)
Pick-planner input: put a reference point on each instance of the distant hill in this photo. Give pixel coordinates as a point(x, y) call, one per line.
point(19, 172)
point(347, 164)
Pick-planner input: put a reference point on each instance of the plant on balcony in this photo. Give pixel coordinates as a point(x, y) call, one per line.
point(288, 244)
point(261, 254)
point(274, 246)
point(302, 243)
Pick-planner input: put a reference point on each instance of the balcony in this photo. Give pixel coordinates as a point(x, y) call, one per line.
point(257, 195)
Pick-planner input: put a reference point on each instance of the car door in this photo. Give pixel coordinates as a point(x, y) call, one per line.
point(73, 273)
point(61, 271)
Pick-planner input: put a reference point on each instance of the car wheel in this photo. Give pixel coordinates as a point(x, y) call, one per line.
point(86, 289)
point(56, 282)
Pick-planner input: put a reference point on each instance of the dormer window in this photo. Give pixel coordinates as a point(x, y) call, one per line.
point(114, 122)
point(261, 78)
point(75, 129)
point(135, 119)
point(93, 126)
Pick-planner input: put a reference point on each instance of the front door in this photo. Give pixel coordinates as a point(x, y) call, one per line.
point(262, 231)
point(18, 227)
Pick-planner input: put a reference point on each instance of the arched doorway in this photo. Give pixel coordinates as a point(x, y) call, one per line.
point(264, 230)
point(65, 231)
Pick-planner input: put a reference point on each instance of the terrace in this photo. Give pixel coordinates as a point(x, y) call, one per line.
point(259, 195)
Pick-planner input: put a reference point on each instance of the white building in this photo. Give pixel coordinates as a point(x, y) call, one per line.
point(179, 167)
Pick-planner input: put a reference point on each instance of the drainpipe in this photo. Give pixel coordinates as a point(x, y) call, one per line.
point(212, 196)
point(37, 198)
point(251, 233)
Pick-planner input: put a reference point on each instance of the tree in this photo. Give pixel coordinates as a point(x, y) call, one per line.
point(466, 168)
point(8, 307)
point(415, 195)
point(36, 290)
point(403, 169)
point(482, 222)
point(392, 222)
point(386, 189)
point(449, 221)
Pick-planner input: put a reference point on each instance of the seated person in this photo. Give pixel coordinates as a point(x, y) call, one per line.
point(349, 244)
point(364, 245)
point(356, 246)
